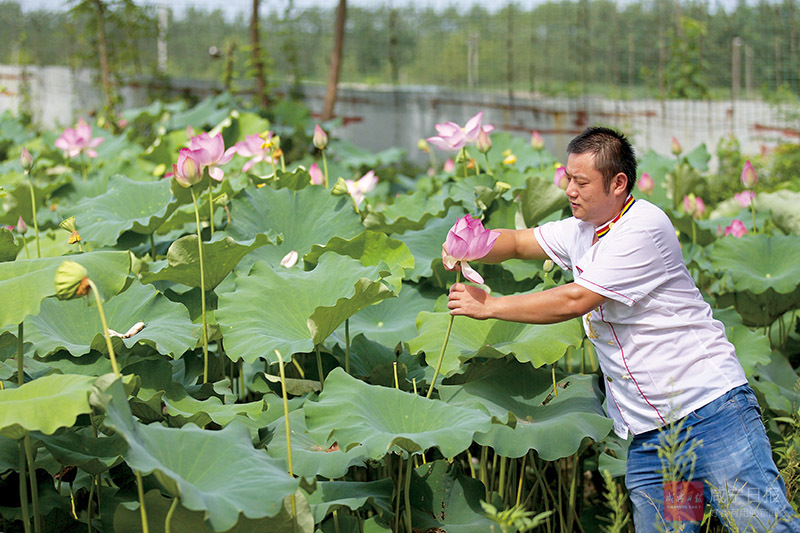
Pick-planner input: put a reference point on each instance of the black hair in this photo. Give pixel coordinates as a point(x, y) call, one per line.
point(612, 151)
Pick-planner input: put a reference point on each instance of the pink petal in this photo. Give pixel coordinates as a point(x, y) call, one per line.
point(470, 273)
point(216, 173)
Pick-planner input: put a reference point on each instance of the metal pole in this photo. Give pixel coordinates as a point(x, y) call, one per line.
point(163, 16)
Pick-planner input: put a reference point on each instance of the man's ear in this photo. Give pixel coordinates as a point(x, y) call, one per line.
point(619, 184)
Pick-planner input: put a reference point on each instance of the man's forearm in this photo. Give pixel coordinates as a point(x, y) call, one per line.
point(514, 244)
point(546, 307)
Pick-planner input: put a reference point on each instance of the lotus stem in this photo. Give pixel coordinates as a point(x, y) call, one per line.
point(553, 371)
point(319, 368)
point(142, 509)
point(210, 207)
point(202, 287)
point(394, 370)
point(33, 212)
point(168, 519)
point(501, 485)
point(288, 429)
point(37, 520)
point(23, 489)
point(444, 346)
point(25, 245)
point(89, 507)
point(407, 495)
point(694, 232)
point(471, 466)
point(283, 163)
point(347, 345)
point(753, 211)
point(488, 167)
point(152, 247)
point(325, 168)
point(483, 477)
point(521, 479)
point(106, 334)
point(399, 484)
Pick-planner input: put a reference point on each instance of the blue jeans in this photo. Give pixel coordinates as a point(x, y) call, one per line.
point(723, 445)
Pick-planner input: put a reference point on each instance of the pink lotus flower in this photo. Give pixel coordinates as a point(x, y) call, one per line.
point(317, 177)
point(468, 240)
point(736, 228)
point(749, 178)
point(537, 143)
point(320, 138)
point(358, 188)
point(75, 141)
point(694, 206)
point(449, 166)
point(214, 147)
point(454, 137)
point(676, 147)
point(189, 170)
point(646, 183)
point(484, 143)
point(560, 178)
point(21, 226)
point(252, 147)
point(745, 197)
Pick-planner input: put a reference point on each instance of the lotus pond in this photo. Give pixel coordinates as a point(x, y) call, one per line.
point(257, 340)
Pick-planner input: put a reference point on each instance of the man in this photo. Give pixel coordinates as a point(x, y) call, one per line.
point(667, 364)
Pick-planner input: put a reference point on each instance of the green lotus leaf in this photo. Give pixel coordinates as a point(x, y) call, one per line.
point(752, 347)
point(539, 199)
point(129, 520)
point(218, 472)
point(137, 206)
point(294, 180)
point(552, 425)
point(186, 409)
point(242, 124)
point(760, 310)
point(426, 243)
point(537, 344)
point(443, 498)
point(206, 114)
point(354, 495)
point(8, 246)
point(410, 211)
point(783, 206)
point(702, 232)
point(291, 310)
point(470, 190)
point(759, 262)
point(371, 248)
point(220, 257)
point(527, 157)
point(79, 447)
point(75, 326)
point(778, 382)
point(44, 404)
point(391, 321)
point(352, 412)
point(17, 202)
point(309, 457)
point(25, 283)
point(356, 157)
point(304, 218)
point(9, 454)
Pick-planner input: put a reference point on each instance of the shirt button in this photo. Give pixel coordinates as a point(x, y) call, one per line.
point(626, 376)
point(608, 378)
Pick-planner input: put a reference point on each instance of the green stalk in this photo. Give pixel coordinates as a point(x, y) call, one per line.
point(202, 287)
point(501, 486)
point(488, 168)
point(407, 496)
point(325, 167)
point(521, 479)
point(211, 207)
point(483, 477)
point(347, 345)
point(444, 346)
point(25, 245)
point(152, 247)
point(753, 210)
point(23, 489)
point(288, 428)
point(553, 370)
point(142, 509)
point(169, 515)
point(89, 507)
point(37, 520)
point(399, 482)
point(33, 211)
point(319, 368)
point(109, 345)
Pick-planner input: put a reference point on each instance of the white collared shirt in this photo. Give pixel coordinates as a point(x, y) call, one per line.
point(662, 353)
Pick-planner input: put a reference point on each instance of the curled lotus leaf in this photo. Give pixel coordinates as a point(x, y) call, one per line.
point(303, 308)
point(44, 404)
point(783, 207)
point(553, 425)
point(353, 413)
point(354, 495)
point(537, 344)
point(24, 283)
point(219, 472)
point(137, 206)
point(410, 211)
point(80, 447)
point(539, 199)
point(760, 262)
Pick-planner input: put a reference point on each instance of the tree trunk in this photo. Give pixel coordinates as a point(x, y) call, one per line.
point(336, 62)
point(105, 75)
point(258, 64)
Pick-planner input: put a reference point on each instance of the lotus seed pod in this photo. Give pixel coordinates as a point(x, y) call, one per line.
point(68, 224)
point(71, 280)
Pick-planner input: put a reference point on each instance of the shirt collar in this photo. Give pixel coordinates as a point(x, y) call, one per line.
point(605, 228)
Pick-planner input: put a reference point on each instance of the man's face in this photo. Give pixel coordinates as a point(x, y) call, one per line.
point(586, 191)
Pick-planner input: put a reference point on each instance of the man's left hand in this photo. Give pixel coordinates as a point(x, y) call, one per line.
point(468, 300)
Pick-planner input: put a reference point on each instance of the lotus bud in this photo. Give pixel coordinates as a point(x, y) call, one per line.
point(548, 265)
point(21, 226)
point(187, 171)
point(537, 143)
point(449, 166)
point(749, 178)
point(68, 224)
point(290, 259)
point(484, 143)
point(320, 138)
point(26, 159)
point(560, 178)
point(71, 280)
point(340, 188)
point(646, 183)
point(317, 177)
point(422, 145)
point(676, 147)
point(689, 204)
